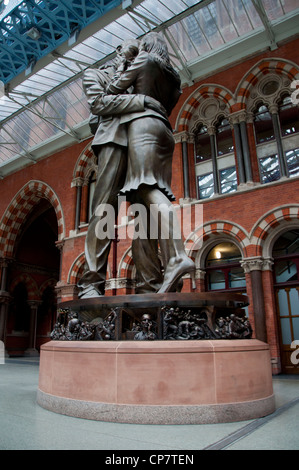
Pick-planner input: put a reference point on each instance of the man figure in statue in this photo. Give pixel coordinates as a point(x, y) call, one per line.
point(110, 146)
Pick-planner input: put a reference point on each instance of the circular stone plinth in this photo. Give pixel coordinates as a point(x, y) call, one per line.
point(157, 382)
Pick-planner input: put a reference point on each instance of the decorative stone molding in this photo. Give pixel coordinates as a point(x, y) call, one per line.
point(273, 108)
point(200, 274)
point(237, 117)
point(77, 182)
point(256, 264)
point(4, 297)
point(120, 283)
point(183, 137)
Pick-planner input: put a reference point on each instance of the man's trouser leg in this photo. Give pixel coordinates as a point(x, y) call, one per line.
point(112, 164)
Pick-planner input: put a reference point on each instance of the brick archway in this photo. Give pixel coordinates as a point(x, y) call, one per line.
point(20, 207)
point(277, 66)
point(281, 217)
point(203, 92)
point(31, 286)
point(197, 240)
point(83, 161)
point(76, 269)
point(126, 267)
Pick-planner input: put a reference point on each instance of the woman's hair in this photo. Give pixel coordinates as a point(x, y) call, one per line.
point(156, 45)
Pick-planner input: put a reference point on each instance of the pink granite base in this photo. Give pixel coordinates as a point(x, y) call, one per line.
point(158, 382)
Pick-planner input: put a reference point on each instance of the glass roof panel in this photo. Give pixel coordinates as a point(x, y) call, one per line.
point(252, 13)
point(154, 10)
point(128, 22)
point(273, 9)
point(289, 5)
point(56, 93)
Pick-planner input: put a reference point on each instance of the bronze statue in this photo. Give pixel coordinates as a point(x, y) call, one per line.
point(150, 150)
point(110, 145)
point(177, 324)
point(146, 329)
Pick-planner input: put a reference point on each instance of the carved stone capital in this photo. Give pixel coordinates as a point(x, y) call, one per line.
point(77, 182)
point(4, 297)
point(250, 117)
point(200, 274)
point(211, 130)
point(183, 136)
point(4, 262)
point(273, 108)
point(237, 117)
point(256, 264)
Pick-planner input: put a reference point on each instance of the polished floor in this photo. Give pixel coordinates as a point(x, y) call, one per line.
point(24, 425)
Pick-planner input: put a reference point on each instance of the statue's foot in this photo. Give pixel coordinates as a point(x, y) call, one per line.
point(91, 293)
point(174, 272)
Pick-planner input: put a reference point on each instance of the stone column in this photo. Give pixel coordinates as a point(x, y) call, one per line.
point(31, 350)
point(245, 147)
point(184, 139)
point(77, 184)
point(254, 266)
point(212, 134)
point(238, 122)
point(84, 203)
point(273, 109)
point(200, 275)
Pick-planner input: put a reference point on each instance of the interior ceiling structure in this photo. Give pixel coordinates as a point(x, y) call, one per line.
point(45, 46)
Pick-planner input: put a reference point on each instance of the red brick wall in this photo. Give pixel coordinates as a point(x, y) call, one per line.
point(242, 208)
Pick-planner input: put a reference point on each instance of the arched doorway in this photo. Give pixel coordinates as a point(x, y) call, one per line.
point(286, 283)
point(36, 263)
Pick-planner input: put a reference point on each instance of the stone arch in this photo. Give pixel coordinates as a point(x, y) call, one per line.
point(76, 269)
point(126, 268)
point(280, 67)
point(20, 207)
point(48, 283)
point(31, 286)
point(202, 239)
point(85, 164)
point(271, 225)
point(197, 105)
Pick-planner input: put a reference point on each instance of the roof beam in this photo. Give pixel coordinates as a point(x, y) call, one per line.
point(264, 18)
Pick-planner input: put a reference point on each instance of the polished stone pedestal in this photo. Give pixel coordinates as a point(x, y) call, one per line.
point(157, 382)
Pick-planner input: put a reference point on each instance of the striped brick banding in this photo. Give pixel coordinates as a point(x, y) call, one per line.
point(126, 266)
point(82, 162)
point(76, 270)
point(216, 228)
point(277, 66)
point(202, 93)
point(20, 207)
point(270, 222)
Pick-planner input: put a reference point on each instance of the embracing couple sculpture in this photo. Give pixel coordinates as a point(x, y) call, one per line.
point(133, 97)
